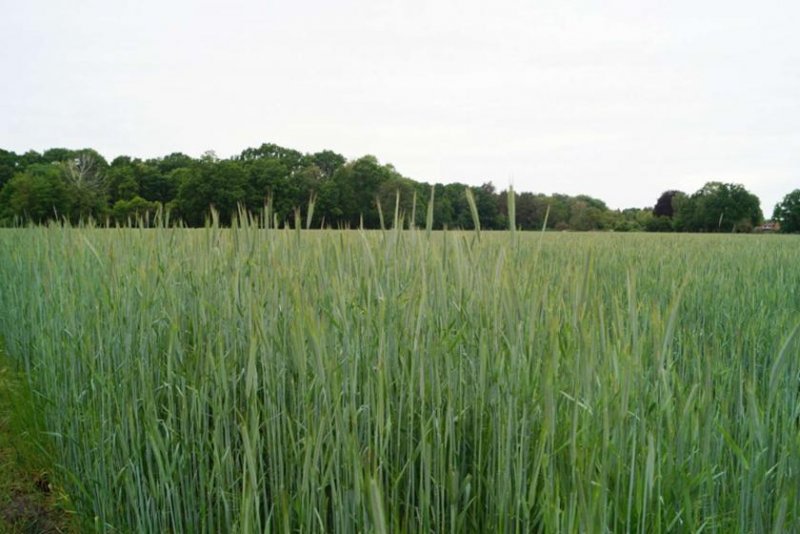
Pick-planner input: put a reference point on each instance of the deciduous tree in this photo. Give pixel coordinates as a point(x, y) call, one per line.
point(787, 212)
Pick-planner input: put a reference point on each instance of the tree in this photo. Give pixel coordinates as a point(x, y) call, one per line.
point(85, 177)
point(530, 210)
point(486, 199)
point(167, 164)
point(291, 159)
point(559, 211)
point(660, 223)
point(58, 155)
point(787, 213)
point(122, 183)
point(452, 207)
point(154, 184)
point(130, 212)
point(587, 213)
point(719, 207)
point(346, 193)
point(632, 220)
point(579, 216)
point(683, 213)
point(219, 185)
point(328, 162)
point(39, 194)
point(387, 193)
point(664, 205)
point(267, 178)
point(31, 157)
point(359, 184)
point(8, 166)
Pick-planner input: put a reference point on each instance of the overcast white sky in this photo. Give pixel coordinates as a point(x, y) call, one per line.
point(617, 99)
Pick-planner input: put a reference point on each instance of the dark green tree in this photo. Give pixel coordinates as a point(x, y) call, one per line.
point(719, 207)
point(268, 179)
point(31, 157)
point(327, 161)
point(39, 194)
point(387, 193)
point(359, 185)
point(531, 210)
point(9, 163)
point(291, 159)
point(634, 220)
point(453, 208)
point(167, 164)
point(57, 155)
point(660, 223)
point(208, 184)
point(155, 185)
point(328, 211)
point(487, 200)
point(131, 212)
point(588, 213)
point(787, 213)
point(559, 211)
point(122, 183)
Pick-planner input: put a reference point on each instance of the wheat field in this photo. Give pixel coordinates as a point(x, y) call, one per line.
point(261, 380)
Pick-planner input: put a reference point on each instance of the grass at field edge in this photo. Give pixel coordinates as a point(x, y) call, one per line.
point(29, 500)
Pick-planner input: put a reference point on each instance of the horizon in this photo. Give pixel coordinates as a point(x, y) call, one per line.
point(498, 187)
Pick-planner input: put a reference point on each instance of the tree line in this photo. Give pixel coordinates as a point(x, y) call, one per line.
point(61, 184)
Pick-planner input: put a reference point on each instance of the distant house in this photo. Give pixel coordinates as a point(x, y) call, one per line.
point(769, 227)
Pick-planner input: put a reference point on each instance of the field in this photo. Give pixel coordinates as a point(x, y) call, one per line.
point(247, 380)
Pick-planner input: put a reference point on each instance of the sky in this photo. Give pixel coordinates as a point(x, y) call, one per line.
point(620, 100)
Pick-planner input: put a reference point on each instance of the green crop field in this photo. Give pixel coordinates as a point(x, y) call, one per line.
point(249, 380)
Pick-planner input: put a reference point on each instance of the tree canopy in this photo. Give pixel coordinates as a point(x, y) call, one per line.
point(71, 185)
point(787, 213)
point(715, 207)
point(664, 205)
point(718, 207)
